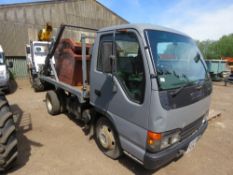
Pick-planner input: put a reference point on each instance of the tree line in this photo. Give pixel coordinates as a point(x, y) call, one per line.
point(217, 49)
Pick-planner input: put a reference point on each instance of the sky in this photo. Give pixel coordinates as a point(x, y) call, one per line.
point(201, 19)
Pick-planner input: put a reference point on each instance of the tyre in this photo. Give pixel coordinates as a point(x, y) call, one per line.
point(37, 85)
point(107, 138)
point(8, 139)
point(52, 103)
point(62, 99)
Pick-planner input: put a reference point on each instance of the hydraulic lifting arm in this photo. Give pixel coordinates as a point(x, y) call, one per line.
point(55, 43)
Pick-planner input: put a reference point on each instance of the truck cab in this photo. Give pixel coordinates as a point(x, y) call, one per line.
point(152, 84)
point(36, 54)
point(4, 72)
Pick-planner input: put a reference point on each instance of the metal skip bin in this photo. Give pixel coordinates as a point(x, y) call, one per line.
point(68, 62)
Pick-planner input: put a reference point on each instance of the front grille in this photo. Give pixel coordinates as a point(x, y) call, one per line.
point(191, 128)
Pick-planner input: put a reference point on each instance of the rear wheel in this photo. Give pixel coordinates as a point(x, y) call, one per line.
point(107, 139)
point(8, 139)
point(62, 98)
point(52, 103)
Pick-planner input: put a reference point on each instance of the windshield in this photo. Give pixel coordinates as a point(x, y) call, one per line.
point(1, 58)
point(177, 59)
point(41, 49)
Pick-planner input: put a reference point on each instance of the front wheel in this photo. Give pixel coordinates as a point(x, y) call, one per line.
point(38, 85)
point(107, 139)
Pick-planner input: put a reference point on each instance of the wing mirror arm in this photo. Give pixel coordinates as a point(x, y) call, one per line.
point(113, 70)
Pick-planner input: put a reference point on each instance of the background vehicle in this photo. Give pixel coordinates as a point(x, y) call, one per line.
point(36, 53)
point(145, 93)
point(218, 69)
point(4, 72)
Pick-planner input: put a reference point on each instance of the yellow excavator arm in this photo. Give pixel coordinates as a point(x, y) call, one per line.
point(45, 34)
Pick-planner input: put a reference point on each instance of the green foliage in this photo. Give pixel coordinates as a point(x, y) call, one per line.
point(217, 49)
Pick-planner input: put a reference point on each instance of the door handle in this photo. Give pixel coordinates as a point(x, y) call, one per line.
point(98, 92)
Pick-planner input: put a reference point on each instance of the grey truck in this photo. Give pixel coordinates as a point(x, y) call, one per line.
point(146, 94)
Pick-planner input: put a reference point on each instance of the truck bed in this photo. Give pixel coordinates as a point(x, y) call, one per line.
point(83, 95)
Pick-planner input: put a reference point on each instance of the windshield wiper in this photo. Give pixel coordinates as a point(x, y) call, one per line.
point(177, 91)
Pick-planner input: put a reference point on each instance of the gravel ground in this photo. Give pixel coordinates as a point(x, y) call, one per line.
point(58, 145)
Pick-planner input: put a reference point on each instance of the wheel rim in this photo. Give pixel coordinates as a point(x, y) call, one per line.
point(49, 105)
point(106, 137)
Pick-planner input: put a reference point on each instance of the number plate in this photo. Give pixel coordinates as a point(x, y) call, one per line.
point(192, 145)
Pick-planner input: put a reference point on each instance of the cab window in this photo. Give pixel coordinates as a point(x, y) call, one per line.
point(105, 50)
point(130, 68)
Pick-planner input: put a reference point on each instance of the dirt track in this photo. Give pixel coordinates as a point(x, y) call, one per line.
point(57, 145)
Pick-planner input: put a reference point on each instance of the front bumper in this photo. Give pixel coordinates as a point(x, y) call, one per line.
point(156, 160)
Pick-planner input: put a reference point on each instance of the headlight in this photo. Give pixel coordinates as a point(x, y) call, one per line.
point(170, 140)
point(159, 141)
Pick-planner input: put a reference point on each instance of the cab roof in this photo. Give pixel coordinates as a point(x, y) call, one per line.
point(141, 28)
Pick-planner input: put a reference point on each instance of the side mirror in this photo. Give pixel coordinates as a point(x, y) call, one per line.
point(197, 58)
point(113, 64)
point(10, 64)
point(28, 50)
